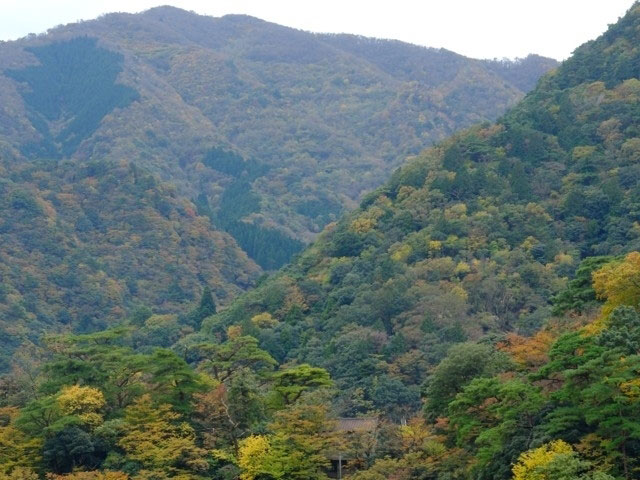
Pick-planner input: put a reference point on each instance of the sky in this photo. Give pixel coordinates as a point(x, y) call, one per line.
point(475, 28)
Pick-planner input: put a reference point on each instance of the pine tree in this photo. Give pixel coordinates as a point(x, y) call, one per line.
point(207, 305)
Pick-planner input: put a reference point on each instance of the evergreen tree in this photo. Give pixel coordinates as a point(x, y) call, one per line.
point(207, 305)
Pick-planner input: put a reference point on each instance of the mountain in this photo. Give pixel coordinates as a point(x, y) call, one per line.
point(144, 156)
point(84, 244)
point(477, 317)
point(469, 240)
point(309, 122)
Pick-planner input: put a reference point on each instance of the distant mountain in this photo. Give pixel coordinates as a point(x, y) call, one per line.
point(469, 240)
point(327, 117)
point(131, 143)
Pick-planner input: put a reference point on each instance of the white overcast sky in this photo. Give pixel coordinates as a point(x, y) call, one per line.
point(476, 28)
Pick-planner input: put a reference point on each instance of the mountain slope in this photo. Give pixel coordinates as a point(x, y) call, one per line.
point(82, 245)
point(328, 116)
point(131, 143)
point(469, 240)
point(472, 238)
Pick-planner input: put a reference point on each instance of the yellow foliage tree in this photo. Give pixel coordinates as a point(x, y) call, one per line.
point(92, 475)
point(434, 245)
point(297, 449)
point(295, 298)
point(157, 440)
point(83, 402)
point(17, 451)
point(251, 455)
point(363, 225)
point(400, 253)
point(619, 283)
point(234, 331)
point(20, 473)
point(530, 463)
point(415, 434)
point(462, 268)
point(264, 320)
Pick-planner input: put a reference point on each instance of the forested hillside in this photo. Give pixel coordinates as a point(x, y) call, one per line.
point(473, 237)
point(476, 318)
point(473, 243)
point(130, 144)
point(327, 117)
point(83, 246)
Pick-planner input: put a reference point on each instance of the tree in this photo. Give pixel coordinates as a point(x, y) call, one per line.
point(297, 449)
point(224, 360)
point(579, 293)
point(156, 440)
point(92, 475)
point(463, 363)
point(555, 460)
point(388, 468)
point(71, 448)
point(20, 473)
point(599, 392)
point(206, 308)
point(495, 420)
point(528, 352)
point(17, 450)
point(38, 416)
point(421, 455)
point(99, 360)
point(251, 456)
point(291, 383)
point(619, 283)
point(83, 402)
point(227, 413)
point(172, 380)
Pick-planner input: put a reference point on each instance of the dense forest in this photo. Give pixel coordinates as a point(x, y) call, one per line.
point(477, 317)
point(143, 157)
point(330, 115)
point(472, 238)
point(82, 247)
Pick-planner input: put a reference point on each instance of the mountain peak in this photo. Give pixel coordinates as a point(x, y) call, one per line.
point(165, 9)
point(169, 12)
point(611, 58)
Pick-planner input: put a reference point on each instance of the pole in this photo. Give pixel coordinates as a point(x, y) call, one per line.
point(339, 466)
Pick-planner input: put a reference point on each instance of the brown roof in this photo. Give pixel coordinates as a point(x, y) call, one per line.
point(362, 424)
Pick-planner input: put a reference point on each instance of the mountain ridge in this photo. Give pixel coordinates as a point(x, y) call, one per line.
point(469, 240)
point(263, 132)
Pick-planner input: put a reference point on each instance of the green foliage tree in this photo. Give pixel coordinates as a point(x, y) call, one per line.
point(226, 359)
point(73, 448)
point(463, 363)
point(579, 294)
point(496, 420)
point(291, 383)
point(173, 381)
point(206, 308)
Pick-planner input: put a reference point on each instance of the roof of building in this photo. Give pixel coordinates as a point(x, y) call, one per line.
point(361, 424)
